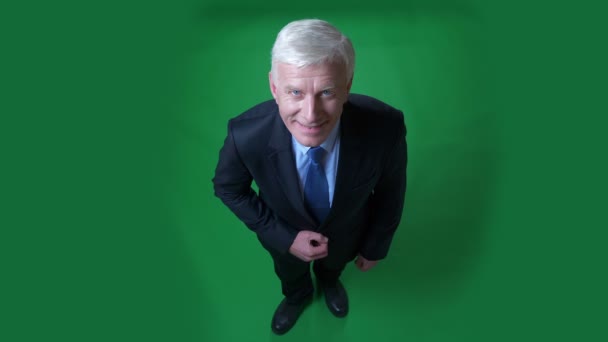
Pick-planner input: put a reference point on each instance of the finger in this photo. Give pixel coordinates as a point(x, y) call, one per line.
point(323, 247)
point(316, 243)
point(320, 256)
point(320, 250)
point(303, 257)
point(319, 238)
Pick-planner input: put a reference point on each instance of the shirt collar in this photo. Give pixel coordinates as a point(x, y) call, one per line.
point(328, 145)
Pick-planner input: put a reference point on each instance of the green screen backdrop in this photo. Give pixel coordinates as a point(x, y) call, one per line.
point(113, 115)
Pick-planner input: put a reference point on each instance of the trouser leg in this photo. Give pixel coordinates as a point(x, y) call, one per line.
point(328, 273)
point(296, 282)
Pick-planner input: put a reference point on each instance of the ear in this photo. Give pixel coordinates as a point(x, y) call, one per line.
point(273, 87)
point(350, 83)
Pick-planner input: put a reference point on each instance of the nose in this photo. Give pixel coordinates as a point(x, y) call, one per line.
point(311, 108)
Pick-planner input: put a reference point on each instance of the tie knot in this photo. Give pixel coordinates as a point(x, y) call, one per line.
point(316, 154)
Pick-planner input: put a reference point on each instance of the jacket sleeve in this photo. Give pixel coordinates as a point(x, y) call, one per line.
point(387, 200)
point(232, 184)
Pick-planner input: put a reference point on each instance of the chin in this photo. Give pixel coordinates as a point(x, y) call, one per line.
point(311, 141)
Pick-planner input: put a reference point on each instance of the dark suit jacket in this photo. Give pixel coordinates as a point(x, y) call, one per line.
point(370, 182)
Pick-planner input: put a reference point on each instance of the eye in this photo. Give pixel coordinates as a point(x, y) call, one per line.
point(295, 92)
point(326, 92)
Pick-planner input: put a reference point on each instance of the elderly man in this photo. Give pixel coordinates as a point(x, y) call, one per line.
point(330, 168)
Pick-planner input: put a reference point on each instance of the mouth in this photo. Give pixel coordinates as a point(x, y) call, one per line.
point(311, 129)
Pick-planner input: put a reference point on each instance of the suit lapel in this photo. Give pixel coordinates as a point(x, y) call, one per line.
point(280, 156)
point(348, 163)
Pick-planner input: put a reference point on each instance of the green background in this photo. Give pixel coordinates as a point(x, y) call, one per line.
point(112, 115)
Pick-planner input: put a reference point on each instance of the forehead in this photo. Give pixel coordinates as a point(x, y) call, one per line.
point(332, 72)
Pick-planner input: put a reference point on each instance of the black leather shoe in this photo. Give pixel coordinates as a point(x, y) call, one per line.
point(287, 314)
point(336, 299)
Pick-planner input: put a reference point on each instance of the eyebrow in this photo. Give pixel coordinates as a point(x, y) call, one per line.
point(290, 87)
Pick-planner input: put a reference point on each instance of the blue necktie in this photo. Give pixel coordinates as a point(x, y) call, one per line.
point(316, 190)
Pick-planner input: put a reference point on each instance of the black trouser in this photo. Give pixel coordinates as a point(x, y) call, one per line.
point(295, 275)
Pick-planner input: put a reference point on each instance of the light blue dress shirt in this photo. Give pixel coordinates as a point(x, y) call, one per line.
point(332, 146)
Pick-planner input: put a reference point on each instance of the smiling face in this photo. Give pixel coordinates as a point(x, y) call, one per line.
point(310, 99)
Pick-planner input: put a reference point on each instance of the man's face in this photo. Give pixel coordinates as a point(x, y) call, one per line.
point(310, 99)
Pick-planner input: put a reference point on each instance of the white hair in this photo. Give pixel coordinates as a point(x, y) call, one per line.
point(310, 42)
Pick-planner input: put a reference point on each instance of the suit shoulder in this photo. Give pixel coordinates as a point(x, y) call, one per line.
point(255, 120)
point(258, 112)
point(370, 105)
point(250, 130)
point(373, 115)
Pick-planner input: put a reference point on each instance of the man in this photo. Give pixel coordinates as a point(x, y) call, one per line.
point(330, 168)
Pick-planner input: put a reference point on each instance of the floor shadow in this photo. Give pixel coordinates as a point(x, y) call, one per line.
point(441, 238)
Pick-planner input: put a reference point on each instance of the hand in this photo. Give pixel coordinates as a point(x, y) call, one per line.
point(364, 264)
point(309, 246)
